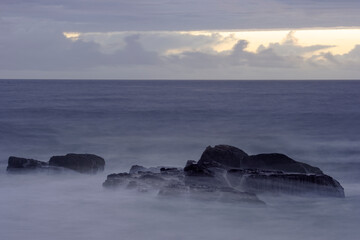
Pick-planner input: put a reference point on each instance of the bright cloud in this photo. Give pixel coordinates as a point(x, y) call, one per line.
point(179, 39)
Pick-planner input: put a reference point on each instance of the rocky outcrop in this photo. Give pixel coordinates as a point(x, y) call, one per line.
point(83, 163)
point(170, 182)
point(223, 173)
point(225, 170)
point(228, 157)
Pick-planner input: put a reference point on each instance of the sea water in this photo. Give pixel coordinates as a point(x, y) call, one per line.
point(154, 123)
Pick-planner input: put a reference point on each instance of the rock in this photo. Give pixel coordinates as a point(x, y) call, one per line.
point(83, 163)
point(137, 169)
point(197, 170)
point(260, 181)
point(190, 162)
point(174, 182)
point(223, 156)
point(16, 164)
point(116, 179)
point(170, 170)
point(279, 162)
point(208, 193)
point(227, 173)
point(228, 157)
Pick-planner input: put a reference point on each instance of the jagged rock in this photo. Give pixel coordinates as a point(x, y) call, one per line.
point(260, 181)
point(16, 164)
point(227, 172)
point(83, 163)
point(170, 170)
point(197, 170)
point(138, 168)
point(117, 179)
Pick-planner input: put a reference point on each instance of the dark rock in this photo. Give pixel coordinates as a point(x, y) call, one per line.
point(190, 162)
point(137, 168)
point(281, 162)
point(228, 173)
point(266, 181)
point(223, 156)
point(151, 177)
point(171, 171)
point(208, 193)
point(227, 157)
point(116, 179)
point(197, 170)
point(83, 163)
point(16, 163)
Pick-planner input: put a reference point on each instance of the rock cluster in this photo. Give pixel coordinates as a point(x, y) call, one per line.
point(83, 163)
point(226, 172)
point(223, 173)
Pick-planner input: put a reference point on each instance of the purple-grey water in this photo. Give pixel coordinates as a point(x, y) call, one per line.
point(155, 123)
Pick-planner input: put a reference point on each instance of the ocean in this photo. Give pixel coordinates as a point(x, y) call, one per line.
point(166, 123)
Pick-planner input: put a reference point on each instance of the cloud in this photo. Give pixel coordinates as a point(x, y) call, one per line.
point(50, 51)
point(43, 51)
point(288, 54)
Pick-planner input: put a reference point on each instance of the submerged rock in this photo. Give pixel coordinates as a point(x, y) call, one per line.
point(83, 163)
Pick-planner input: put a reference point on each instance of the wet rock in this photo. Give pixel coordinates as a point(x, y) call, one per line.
point(223, 156)
point(170, 170)
point(83, 163)
point(280, 162)
point(140, 169)
point(197, 170)
point(116, 180)
point(23, 164)
point(190, 162)
point(226, 172)
point(137, 168)
point(227, 157)
point(266, 181)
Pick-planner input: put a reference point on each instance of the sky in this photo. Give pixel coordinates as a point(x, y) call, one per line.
point(168, 39)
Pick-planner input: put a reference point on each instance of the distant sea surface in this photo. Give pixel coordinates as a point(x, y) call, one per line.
point(155, 123)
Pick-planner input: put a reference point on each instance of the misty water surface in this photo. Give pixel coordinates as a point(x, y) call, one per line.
point(166, 123)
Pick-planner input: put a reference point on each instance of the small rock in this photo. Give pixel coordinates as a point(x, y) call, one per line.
point(83, 163)
point(16, 164)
